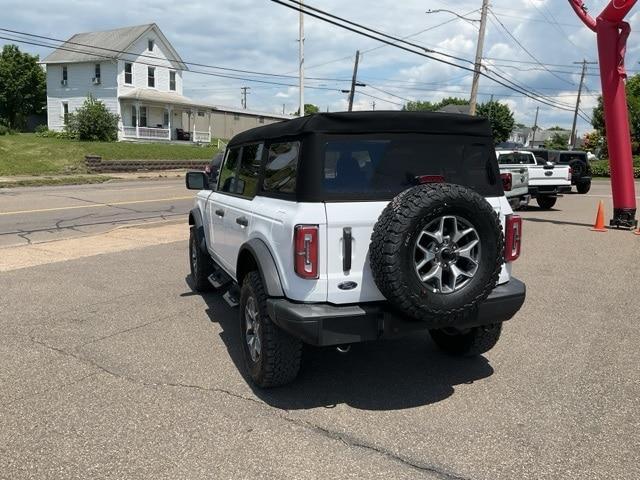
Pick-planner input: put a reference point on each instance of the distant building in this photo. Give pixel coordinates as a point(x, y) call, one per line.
point(137, 73)
point(523, 136)
point(464, 109)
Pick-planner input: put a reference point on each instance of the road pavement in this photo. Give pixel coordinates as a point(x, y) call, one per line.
point(32, 215)
point(112, 367)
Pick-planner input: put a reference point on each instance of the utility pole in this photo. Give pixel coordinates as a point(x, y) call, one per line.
point(244, 96)
point(478, 65)
point(283, 107)
point(352, 92)
point(301, 59)
point(574, 133)
point(535, 127)
point(373, 105)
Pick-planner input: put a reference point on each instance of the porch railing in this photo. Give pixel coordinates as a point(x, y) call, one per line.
point(147, 133)
point(202, 137)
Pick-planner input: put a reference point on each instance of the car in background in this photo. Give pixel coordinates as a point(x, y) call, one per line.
point(515, 181)
point(577, 160)
point(547, 180)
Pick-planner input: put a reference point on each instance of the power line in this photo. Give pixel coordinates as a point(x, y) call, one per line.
point(298, 7)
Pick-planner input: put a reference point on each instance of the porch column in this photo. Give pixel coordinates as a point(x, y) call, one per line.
point(193, 133)
point(170, 114)
point(137, 119)
point(209, 126)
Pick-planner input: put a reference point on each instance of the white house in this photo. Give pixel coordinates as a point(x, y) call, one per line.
point(138, 75)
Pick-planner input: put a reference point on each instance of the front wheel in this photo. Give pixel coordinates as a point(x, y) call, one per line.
point(546, 203)
point(271, 355)
point(583, 187)
point(468, 343)
point(199, 262)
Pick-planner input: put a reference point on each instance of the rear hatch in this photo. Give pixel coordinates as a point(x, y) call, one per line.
point(363, 173)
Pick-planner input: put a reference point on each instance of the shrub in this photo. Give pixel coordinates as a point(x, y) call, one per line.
point(601, 168)
point(4, 130)
point(46, 133)
point(93, 121)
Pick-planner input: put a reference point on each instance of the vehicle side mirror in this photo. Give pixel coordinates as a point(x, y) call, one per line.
point(197, 181)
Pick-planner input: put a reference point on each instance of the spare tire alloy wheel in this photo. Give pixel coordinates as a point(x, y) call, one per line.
point(436, 252)
point(447, 254)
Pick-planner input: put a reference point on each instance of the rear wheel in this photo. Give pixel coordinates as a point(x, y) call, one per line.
point(467, 343)
point(583, 187)
point(271, 355)
point(546, 202)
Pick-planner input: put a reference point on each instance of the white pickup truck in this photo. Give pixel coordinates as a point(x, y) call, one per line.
point(546, 180)
point(515, 181)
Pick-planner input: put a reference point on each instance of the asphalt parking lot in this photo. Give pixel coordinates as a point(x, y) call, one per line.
point(113, 368)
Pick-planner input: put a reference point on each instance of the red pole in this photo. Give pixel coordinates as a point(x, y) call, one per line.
point(612, 33)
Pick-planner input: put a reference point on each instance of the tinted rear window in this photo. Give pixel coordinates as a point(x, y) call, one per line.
point(383, 166)
point(515, 158)
point(570, 157)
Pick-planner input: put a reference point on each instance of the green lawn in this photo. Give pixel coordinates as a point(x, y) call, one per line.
point(27, 154)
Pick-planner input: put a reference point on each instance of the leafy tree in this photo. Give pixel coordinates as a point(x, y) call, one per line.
point(23, 88)
point(93, 121)
point(452, 101)
point(592, 141)
point(309, 109)
point(556, 128)
point(557, 141)
point(633, 105)
point(501, 118)
point(419, 106)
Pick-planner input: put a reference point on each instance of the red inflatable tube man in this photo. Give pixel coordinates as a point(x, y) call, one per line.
point(612, 33)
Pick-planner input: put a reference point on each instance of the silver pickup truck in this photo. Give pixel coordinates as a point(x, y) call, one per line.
point(547, 180)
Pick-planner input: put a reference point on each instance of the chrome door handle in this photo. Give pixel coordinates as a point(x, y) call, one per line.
point(242, 221)
point(220, 213)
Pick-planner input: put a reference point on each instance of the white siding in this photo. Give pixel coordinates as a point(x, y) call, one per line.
point(79, 86)
point(158, 58)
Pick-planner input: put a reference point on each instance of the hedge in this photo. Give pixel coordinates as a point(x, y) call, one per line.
point(600, 168)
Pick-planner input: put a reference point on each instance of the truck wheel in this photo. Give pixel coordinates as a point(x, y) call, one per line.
point(199, 262)
point(436, 252)
point(271, 355)
point(546, 203)
point(583, 187)
point(469, 343)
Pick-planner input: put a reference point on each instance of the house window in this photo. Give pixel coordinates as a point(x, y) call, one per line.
point(260, 119)
point(128, 73)
point(143, 116)
point(150, 45)
point(200, 113)
point(65, 112)
point(96, 78)
point(172, 81)
point(236, 116)
point(151, 76)
point(64, 75)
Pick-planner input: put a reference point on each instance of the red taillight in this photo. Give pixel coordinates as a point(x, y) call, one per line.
point(422, 179)
point(570, 173)
point(513, 238)
point(306, 251)
point(507, 181)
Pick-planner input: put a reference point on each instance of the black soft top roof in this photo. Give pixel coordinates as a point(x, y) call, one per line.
point(370, 122)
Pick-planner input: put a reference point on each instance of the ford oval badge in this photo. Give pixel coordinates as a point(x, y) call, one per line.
point(347, 285)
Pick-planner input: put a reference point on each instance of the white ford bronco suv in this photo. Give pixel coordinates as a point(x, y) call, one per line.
point(339, 228)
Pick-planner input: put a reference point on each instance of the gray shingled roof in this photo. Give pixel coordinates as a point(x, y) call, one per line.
point(96, 46)
point(119, 39)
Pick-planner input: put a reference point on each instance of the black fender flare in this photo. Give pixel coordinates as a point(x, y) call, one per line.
point(195, 220)
point(255, 254)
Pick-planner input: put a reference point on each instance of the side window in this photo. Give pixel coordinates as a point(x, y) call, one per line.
point(249, 171)
point(228, 171)
point(282, 168)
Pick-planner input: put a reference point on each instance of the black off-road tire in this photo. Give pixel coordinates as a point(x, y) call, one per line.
point(469, 343)
point(546, 202)
point(392, 252)
point(281, 353)
point(199, 262)
point(583, 187)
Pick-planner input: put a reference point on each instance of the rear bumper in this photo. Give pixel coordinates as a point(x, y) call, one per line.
point(580, 180)
point(549, 190)
point(324, 324)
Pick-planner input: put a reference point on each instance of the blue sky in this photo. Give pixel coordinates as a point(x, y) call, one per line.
point(261, 35)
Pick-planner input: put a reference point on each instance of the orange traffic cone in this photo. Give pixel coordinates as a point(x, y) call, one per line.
point(599, 225)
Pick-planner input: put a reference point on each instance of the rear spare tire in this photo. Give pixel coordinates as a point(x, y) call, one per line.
point(436, 252)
